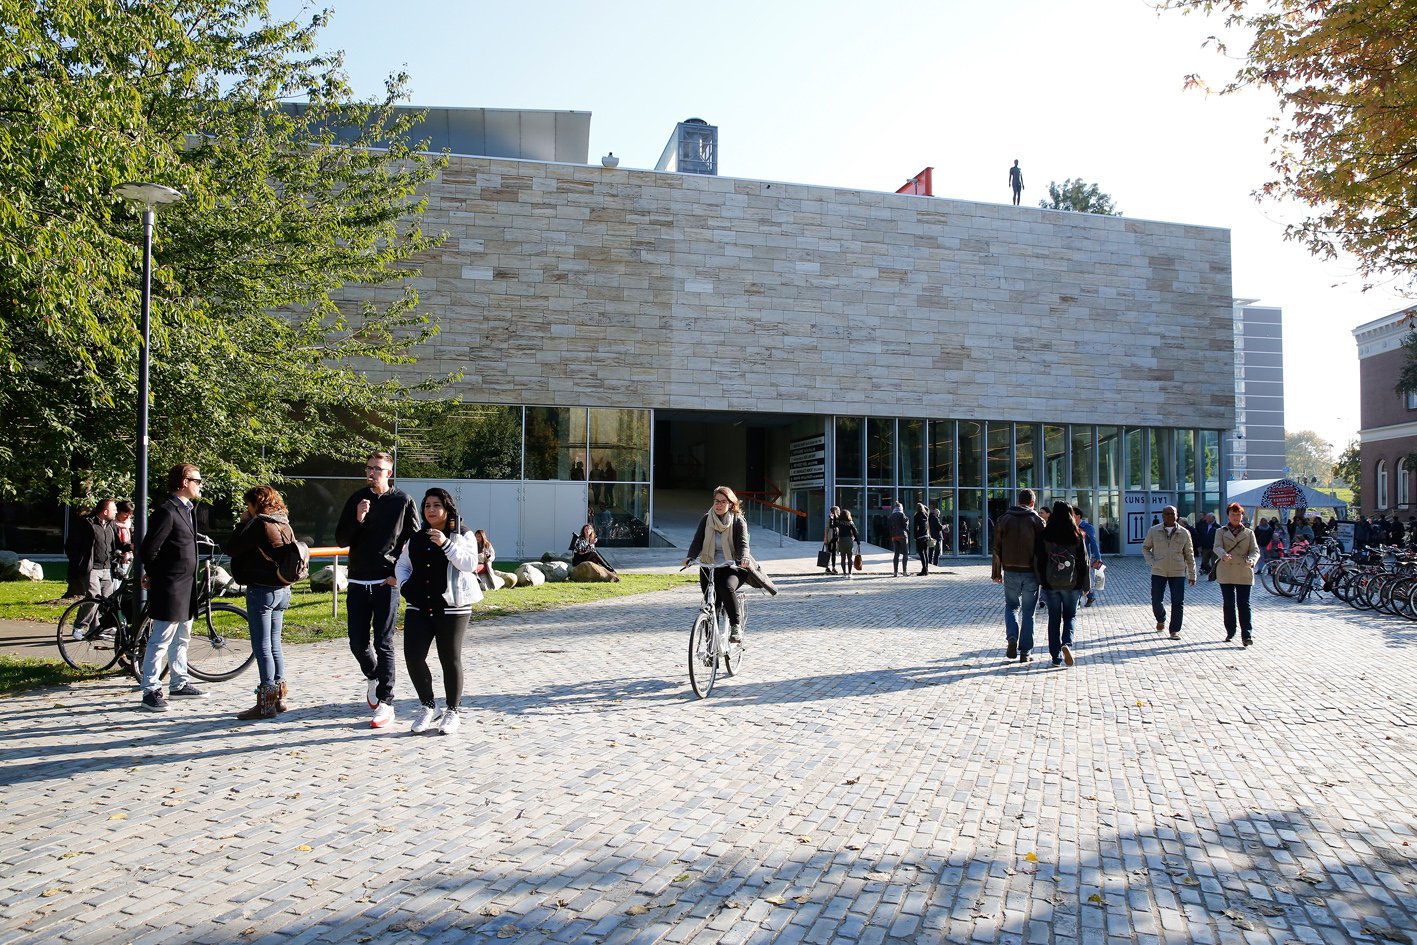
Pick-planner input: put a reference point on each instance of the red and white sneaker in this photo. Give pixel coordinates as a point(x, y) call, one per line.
point(371, 696)
point(383, 715)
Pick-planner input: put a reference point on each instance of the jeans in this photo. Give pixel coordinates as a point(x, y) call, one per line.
point(265, 612)
point(1178, 599)
point(1235, 595)
point(167, 644)
point(1020, 592)
point(1062, 609)
point(420, 630)
point(376, 607)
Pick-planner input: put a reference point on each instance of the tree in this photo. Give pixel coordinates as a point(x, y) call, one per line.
point(258, 362)
point(1079, 196)
point(1349, 468)
point(1345, 141)
point(1308, 456)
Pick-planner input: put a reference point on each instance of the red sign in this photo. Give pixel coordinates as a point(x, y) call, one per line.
point(1282, 494)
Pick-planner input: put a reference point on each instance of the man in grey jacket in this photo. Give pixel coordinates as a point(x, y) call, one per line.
point(1167, 550)
point(1015, 539)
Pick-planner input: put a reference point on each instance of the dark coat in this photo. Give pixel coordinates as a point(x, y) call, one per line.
point(1083, 573)
point(753, 575)
point(92, 546)
point(375, 543)
point(170, 561)
point(254, 544)
point(920, 525)
point(898, 524)
point(937, 525)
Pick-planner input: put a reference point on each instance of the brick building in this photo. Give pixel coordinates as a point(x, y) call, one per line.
point(1388, 419)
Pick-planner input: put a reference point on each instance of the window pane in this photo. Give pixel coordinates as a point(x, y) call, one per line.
point(1109, 522)
point(1210, 461)
point(944, 500)
point(1186, 460)
point(619, 445)
point(1109, 458)
point(1055, 458)
point(1136, 475)
point(879, 503)
point(1023, 450)
point(464, 441)
point(555, 442)
point(1082, 461)
point(971, 538)
point(619, 516)
point(971, 453)
point(1163, 459)
point(912, 452)
point(942, 448)
point(315, 506)
point(1000, 462)
point(850, 461)
point(850, 499)
point(880, 451)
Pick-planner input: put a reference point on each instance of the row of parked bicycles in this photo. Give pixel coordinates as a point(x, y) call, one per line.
point(1381, 578)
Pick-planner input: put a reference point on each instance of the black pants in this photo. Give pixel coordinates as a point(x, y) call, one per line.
point(900, 556)
point(847, 555)
point(594, 558)
point(922, 549)
point(831, 555)
point(420, 630)
point(373, 607)
point(725, 588)
point(1236, 596)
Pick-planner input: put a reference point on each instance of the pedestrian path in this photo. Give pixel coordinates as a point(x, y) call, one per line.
point(877, 773)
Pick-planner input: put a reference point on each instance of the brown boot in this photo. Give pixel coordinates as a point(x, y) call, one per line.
point(265, 707)
point(282, 691)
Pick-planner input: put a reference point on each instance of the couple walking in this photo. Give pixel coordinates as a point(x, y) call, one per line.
point(1029, 557)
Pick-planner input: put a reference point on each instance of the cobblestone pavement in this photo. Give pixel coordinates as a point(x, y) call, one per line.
point(876, 773)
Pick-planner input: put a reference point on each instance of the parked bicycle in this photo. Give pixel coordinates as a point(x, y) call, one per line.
point(708, 640)
point(96, 633)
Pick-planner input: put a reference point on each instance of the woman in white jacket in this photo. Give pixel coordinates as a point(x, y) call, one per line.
point(436, 577)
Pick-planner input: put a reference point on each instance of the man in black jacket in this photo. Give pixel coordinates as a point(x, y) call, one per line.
point(93, 549)
point(169, 553)
point(377, 522)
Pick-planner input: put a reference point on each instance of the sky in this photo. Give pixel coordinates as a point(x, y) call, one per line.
point(857, 95)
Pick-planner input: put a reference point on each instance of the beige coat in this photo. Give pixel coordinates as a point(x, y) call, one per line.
point(1170, 556)
point(1243, 550)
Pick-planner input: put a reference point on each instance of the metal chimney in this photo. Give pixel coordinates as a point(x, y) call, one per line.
point(692, 149)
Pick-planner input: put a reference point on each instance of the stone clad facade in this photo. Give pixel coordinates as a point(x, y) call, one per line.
point(581, 285)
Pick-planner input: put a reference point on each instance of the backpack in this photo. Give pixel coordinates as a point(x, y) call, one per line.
point(1062, 572)
point(292, 560)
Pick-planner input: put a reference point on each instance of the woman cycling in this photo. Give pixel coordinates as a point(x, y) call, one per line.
point(435, 574)
point(721, 545)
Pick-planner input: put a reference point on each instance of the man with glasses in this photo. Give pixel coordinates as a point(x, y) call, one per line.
point(169, 553)
point(377, 522)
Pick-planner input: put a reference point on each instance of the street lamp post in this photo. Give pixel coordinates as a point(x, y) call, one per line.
point(148, 197)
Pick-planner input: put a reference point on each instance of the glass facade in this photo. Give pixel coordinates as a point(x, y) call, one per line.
point(972, 471)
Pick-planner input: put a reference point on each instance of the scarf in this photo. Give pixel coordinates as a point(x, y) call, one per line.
point(721, 530)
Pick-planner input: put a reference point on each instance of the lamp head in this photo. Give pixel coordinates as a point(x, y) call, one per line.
point(148, 196)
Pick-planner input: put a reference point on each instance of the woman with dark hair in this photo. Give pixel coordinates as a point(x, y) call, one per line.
point(486, 554)
point(846, 540)
point(920, 525)
point(582, 548)
point(263, 530)
point(1063, 573)
point(436, 576)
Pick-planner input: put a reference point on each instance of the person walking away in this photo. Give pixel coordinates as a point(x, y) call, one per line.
point(846, 541)
point(920, 525)
point(169, 553)
point(263, 531)
point(898, 527)
point(377, 521)
point(1015, 546)
point(1237, 550)
point(829, 539)
point(1063, 573)
point(93, 550)
point(1168, 552)
point(1094, 552)
point(1205, 545)
point(436, 577)
point(486, 554)
point(937, 532)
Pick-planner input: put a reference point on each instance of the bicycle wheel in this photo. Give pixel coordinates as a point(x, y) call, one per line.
point(223, 650)
point(703, 662)
point(134, 647)
point(1289, 577)
point(89, 649)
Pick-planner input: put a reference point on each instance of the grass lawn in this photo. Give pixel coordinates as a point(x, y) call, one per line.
point(307, 621)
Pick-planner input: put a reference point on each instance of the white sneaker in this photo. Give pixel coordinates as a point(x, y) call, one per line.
point(372, 694)
point(383, 715)
point(427, 718)
point(450, 723)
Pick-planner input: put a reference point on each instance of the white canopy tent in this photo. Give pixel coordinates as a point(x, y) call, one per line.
point(1278, 494)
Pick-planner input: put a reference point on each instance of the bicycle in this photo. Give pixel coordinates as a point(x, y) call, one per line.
point(708, 639)
point(95, 641)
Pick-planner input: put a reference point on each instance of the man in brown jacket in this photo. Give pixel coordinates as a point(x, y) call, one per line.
point(1167, 549)
point(1015, 538)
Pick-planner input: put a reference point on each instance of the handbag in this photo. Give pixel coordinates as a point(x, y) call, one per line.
point(824, 558)
point(856, 562)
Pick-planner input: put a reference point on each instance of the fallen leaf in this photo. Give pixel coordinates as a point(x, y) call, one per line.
point(304, 848)
point(1384, 932)
point(53, 891)
point(1190, 881)
point(853, 781)
point(1095, 899)
point(70, 854)
point(680, 878)
point(1239, 919)
point(637, 909)
point(249, 930)
point(118, 816)
point(1314, 900)
point(1031, 857)
point(1141, 704)
point(489, 911)
point(508, 931)
point(1266, 908)
point(801, 900)
point(1311, 879)
point(775, 900)
point(805, 838)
